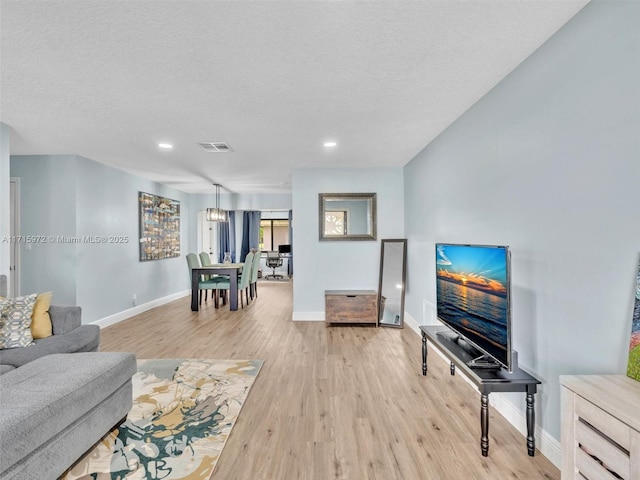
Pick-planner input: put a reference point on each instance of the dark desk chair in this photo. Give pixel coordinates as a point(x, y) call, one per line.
point(274, 261)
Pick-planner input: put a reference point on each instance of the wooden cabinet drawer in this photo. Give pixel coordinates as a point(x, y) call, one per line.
point(608, 425)
point(600, 427)
point(351, 306)
point(598, 453)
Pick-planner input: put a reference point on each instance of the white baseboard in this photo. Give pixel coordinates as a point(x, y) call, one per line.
point(411, 322)
point(138, 309)
point(308, 316)
point(547, 444)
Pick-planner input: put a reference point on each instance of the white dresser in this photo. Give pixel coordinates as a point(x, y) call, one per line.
point(600, 427)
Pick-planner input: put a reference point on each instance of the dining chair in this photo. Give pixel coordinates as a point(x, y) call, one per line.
point(192, 262)
point(253, 283)
point(243, 283)
point(205, 261)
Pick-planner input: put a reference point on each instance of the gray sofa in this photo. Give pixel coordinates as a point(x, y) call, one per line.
point(69, 336)
point(56, 407)
point(59, 397)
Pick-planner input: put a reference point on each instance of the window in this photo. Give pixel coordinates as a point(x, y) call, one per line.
point(273, 232)
point(335, 222)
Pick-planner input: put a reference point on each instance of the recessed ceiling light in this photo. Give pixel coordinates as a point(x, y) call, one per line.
point(330, 144)
point(166, 146)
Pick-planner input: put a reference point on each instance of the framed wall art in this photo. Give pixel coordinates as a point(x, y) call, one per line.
point(159, 227)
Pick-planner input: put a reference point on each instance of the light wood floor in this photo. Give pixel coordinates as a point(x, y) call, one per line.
point(333, 403)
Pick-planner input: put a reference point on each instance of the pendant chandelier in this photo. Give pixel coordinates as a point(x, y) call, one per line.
point(217, 214)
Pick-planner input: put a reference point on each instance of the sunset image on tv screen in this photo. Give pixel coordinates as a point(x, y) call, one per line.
point(482, 268)
point(472, 294)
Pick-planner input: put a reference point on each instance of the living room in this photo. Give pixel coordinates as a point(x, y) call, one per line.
point(546, 162)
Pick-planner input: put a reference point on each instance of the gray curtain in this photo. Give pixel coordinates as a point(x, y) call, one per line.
point(250, 232)
point(223, 237)
point(232, 236)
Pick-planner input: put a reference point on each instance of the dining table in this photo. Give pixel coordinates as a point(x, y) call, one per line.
point(231, 269)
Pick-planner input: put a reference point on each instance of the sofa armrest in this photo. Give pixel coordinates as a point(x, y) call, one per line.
point(65, 318)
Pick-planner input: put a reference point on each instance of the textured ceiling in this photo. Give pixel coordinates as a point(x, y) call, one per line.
point(109, 80)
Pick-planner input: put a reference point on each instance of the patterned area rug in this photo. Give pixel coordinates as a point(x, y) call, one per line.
point(182, 415)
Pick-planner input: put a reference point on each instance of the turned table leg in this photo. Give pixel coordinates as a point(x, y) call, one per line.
point(531, 425)
point(484, 424)
point(424, 354)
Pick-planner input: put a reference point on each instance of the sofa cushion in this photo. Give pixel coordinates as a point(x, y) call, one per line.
point(44, 397)
point(65, 318)
point(84, 338)
point(15, 321)
point(40, 319)
point(6, 368)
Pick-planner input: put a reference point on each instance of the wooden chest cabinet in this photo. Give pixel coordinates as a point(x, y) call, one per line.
point(600, 427)
point(351, 306)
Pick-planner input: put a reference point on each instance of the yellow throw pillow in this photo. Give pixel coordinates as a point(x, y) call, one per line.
point(40, 320)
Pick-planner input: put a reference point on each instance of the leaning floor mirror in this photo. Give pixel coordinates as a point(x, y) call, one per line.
point(392, 285)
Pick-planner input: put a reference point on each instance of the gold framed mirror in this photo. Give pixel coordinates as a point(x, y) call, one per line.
point(347, 216)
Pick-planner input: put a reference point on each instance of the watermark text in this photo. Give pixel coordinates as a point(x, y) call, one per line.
point(65, 239)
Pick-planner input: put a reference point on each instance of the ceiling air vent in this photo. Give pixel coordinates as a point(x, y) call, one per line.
point(215, 147)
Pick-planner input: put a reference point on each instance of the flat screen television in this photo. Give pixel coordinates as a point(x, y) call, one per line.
point(286, 248)
point(473, 297)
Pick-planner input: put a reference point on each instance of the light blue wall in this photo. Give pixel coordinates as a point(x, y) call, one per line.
point(48, 209)
point(71, 196)
point(242, 201)
point(321, 266)
point(260, 201)
point(109, 274)
point(549, 163)
point(4, 198)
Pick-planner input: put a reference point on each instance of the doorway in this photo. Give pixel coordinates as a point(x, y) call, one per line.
point(14, 232)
